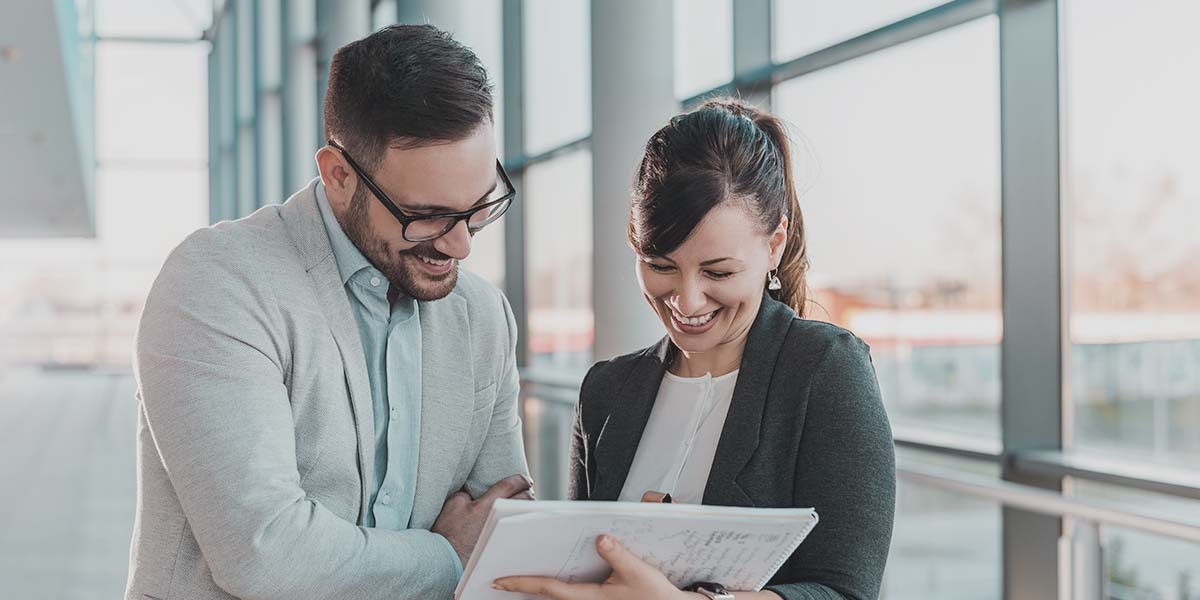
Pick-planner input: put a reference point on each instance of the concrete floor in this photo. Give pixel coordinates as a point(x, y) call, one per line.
point(68, 473)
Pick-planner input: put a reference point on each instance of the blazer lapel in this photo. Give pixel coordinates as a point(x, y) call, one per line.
point(302, 218)
point(345, 332)
point(740, 435)
point(618, 440)
point(447, 400)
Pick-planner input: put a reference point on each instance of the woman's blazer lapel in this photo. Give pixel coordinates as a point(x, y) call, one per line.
point(618, 439)
point(740, 435)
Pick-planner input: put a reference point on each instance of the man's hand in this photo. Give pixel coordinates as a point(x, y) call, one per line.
point(462, 518)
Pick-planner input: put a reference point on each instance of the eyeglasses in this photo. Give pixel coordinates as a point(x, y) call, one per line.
point(423, 228)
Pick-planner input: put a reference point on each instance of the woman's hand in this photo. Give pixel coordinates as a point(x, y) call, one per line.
point(631, 578)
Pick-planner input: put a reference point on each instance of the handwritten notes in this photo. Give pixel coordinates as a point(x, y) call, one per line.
point(739, 547)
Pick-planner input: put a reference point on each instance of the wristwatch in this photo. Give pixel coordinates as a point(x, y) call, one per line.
point(713, 591)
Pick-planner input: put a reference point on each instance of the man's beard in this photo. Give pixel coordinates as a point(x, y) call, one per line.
point(405, 278)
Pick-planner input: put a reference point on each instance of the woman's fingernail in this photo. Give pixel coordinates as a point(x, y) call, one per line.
point(497, 585)
point(606, 542)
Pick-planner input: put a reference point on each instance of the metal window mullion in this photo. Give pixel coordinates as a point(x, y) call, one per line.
point(256, 102)
point(939, 18)
point(214, 132)
point(512, 72)
point(268, 88)
point(752, 49)
point(297, 45)
point(518, 162)
point(233, 202)
point(1033, 344)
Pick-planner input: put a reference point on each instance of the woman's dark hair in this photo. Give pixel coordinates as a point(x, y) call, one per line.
point(725, 151)
point(407, 84)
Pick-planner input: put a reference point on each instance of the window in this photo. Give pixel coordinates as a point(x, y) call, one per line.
point(557, 73)
point(383, 14)
point(487, 250)
point(151, 187)
point(558, 197)
point(898, 168)
point(1133, 196)
point(703, 45)
point(1143, 565)
point(944, 546)
point(898, 161)
point(152, 18)
point(171, 128)
point(804, 27)
point(300, 99)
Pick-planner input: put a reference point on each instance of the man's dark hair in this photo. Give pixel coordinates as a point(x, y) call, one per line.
point(405, 85)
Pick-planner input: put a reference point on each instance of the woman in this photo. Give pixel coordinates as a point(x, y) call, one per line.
point(743, 403)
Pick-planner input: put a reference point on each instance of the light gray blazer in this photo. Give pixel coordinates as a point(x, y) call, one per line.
point(255, 422)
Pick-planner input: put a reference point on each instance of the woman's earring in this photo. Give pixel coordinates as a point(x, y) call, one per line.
point(773, 282)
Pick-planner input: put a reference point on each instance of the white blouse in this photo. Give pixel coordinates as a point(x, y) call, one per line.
point(680, 440)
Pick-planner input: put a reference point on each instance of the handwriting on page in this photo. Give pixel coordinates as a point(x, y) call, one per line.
point(685, 551)
point(739, 547)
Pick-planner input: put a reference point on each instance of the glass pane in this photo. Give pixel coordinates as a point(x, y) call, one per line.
point(77, 303)
point(173, 200)
point(1142, 565)
point(224, 77)
point(247, 78)
point(301, 116)
point(270, 159)
point(153, 18)
point(487, 252)
point(804, 27)
point(558, 73)
point(483, 34)
point(703, 45)
point(171, 126)
point(558, 208)
point(547, 416)
point(383, 14)
point(247, 176)
point(1134, 205)
point(902, 218)
point(944, 545)
point(270, 44)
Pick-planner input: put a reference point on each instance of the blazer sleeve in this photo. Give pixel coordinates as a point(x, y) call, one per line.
point(211, 355)
point(503, 451)
point(846, 470)
point(581, 469)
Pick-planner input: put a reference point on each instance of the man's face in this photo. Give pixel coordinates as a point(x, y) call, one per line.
point(439, 178)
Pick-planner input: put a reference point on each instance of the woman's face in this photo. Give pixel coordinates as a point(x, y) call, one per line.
point(708, 291)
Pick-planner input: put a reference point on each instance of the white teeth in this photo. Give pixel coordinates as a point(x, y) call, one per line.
point(695, 321)
point(436, 263)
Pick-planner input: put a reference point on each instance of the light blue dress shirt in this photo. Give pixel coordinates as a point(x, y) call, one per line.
point(391, 338)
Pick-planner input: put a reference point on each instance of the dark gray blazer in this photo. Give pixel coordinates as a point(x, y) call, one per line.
point(806, 428)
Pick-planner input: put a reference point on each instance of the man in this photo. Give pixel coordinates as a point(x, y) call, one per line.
point(319, 382)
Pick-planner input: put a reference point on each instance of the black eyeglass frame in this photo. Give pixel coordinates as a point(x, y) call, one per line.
point(405, 220)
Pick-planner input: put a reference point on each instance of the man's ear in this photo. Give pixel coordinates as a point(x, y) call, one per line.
point(336, 175)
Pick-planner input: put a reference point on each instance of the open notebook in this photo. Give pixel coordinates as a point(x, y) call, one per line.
point(741, 548)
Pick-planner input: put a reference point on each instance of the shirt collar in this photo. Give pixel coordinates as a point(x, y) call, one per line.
point(349, 259)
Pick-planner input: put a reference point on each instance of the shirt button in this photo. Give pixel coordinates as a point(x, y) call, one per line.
point(384, 498)
point(375, 281)
point(395, 414)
